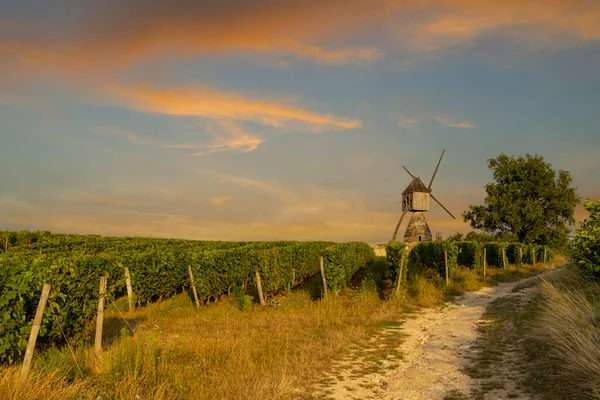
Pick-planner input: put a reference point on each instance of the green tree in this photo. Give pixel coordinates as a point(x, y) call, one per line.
point(457, 237)
point(586, 241)
point(528, 200)
point(480, 237)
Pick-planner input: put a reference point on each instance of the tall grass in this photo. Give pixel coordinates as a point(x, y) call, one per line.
point(567, 336)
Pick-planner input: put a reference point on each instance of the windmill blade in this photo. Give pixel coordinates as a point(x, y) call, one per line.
point(436, 169)
point(441, 205)
point(398, 225)
point(406, 169)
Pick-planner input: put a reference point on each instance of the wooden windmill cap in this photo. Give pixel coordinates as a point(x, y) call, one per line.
point(416, 185)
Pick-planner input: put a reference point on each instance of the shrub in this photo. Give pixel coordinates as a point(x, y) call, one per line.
point(342, 260)
point(470, 254)
point(431, 255)
point(394, 253)
point(495, 253)
point(586, 242)
point(513, 253)
point(242, 300)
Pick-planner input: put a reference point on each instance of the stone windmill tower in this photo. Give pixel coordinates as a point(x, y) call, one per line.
point(415, 199)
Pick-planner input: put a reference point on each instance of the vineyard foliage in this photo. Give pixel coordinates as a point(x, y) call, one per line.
point(73, 265)
point(394, 252)
point(496, 254)
point(431, 255)
point(470, 254)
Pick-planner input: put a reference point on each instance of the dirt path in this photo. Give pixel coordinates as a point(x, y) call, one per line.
point(436, 345)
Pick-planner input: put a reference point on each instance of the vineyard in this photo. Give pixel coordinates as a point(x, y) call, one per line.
point(444, 256)
point(73, 265)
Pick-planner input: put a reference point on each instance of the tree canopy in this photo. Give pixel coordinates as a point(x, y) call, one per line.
point(528, 200)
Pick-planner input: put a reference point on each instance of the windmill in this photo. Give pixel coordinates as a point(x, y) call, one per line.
point(415, 199)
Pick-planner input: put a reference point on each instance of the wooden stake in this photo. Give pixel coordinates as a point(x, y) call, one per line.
point(503, 257)
point(193, 287)
point(293, 276)
point(100, 318)
point(446, 266)
point(129, 289)
point(545, 255)
point(401, 270)
point(6, 245)
point(520, 257)
point(35, 330)
point(259, 288)
point(323, 276)
point(533, 255)
point(484, 262)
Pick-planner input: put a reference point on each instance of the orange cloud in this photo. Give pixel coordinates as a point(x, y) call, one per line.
point(451, 22)
point(453, 124)
point(111, 34)
point(227, 136)
point(207, 102)
point(220, 200)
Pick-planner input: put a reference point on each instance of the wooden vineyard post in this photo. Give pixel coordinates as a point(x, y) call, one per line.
point(129, 289)
point(293, 276)
point(261, 297)
point(520, 257)
point(484, 262)
point(193, 287)
point(6, 245)
point(399, 280)
point(323, 276)
point(100, 317)
point(532, 255)
point(503, 257)
point(35, 330)
point(446, 266)
point(545, 255)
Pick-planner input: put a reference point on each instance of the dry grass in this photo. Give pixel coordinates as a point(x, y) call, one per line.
point(565, 344)
point(425, 292)
point(467, 279)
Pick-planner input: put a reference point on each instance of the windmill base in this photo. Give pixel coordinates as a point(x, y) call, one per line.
point(418, 230)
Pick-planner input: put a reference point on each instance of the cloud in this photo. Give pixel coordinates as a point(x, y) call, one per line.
point(15, 201)
point(220, 200)
point(408, 123)
point(111, 34)
point(336, 57)
point(207, 102)
point(227, 136)
point(454, 124)
point(99, 199)
point(106, 35)
point(439, 24)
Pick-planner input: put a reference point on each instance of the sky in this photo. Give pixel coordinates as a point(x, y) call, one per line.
point(270, 119)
